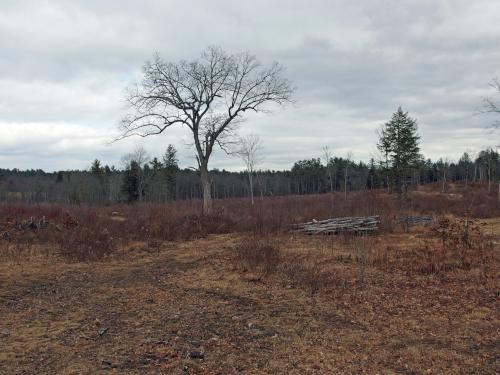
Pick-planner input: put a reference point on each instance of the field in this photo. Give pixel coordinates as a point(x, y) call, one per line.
point(161, 289)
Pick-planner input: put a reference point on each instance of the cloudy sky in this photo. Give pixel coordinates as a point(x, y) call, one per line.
point(64, 66)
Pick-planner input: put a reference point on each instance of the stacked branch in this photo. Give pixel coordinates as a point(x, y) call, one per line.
point(33, 223)
point(339, 225)
point(9, 227)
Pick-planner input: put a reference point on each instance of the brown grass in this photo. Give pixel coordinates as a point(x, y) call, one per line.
point(237, 293)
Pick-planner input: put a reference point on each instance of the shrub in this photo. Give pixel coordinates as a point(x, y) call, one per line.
point(301, 273)
point(89, 242)
point(462, 246)
point(258, 255)
point(452, 244)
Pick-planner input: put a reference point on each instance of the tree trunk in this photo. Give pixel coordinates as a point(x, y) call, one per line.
point(444, 182)
point(250, 181)
point(205, 183)
point(489, 177)
point(345, 184)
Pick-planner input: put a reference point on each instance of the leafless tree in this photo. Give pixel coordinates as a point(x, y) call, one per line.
point(348, 161)
point(248, 150)
point(444, 166)
point(490, 105)
point(139, 155)
point(327, 154)
point(208, 95)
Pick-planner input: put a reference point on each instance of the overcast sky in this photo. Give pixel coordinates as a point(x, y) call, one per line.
point(64, 66)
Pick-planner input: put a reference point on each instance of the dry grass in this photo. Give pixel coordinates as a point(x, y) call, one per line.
point(259, 301)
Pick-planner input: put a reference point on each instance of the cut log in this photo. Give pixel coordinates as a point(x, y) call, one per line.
point(339, 225)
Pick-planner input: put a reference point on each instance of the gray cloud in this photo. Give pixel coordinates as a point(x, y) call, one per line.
point(64, 66)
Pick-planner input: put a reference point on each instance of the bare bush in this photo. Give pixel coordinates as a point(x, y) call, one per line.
point(305, 274)
point(90, 241)
point(258, 255)
point(453, 244)
point(362, 250)
point(462, 245)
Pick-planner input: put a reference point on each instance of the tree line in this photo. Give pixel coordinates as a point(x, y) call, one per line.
point(161, 179)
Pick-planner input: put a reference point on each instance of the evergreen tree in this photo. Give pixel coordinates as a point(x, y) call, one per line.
point(171, 167)
point(131, 186)
point(96, 168)
point(107, 170)
point(156, 165)
point(309, 176)
point(399, 142)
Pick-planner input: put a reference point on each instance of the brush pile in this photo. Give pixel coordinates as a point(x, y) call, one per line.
point(357, 225)
point(11, 226)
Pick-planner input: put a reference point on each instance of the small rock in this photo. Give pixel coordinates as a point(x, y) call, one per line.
point(193, 354)
point(107, 365)
point(4, 332)
point(103, 331)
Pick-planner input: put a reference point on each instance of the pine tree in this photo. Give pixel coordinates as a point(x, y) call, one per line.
point(131, 182)
point(156, 165)
point(399, 143)
point(96, 168)
point(171, 167)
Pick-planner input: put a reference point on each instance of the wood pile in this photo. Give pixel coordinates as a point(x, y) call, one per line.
point(339, 225)
point(415, 220)
point(10, 227)
point(32, 223)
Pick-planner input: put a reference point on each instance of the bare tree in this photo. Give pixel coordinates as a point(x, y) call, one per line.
point(208, 95)
point(139, 155)
point(444, 166)
point(490, 105)
point(248, 151)
point(348, 161)
point(327, 154)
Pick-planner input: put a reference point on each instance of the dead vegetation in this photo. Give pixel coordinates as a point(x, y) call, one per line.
point(176, 292)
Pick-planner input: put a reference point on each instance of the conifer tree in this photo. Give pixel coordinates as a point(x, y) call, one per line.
point(131, 186)
point(96, 168)
point(399, 142)
point(171, 167)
